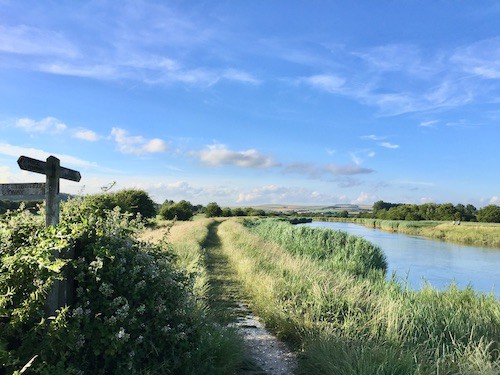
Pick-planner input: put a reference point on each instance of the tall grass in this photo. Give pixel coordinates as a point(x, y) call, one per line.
point(346, 324)
point(335, 249)
point(186, 239)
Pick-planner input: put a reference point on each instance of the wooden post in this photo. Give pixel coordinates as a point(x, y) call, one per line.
point(56, 294)
point(62, 292)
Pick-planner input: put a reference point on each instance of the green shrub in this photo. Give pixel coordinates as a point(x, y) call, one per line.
point(182, 210)
point(134, 312)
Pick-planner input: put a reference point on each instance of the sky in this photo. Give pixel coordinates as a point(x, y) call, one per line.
point(256, 102)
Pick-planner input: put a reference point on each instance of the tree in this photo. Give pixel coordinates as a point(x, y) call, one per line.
point(238, 212)
point(213, 210)
point(135, 201)
point(344, 213)
point(182, 210)
point(489, 214)
point(226, 212)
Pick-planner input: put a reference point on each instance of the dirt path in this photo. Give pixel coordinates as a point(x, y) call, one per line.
point(267, 354)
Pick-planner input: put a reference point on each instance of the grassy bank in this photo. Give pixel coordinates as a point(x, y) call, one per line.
point(348, 324)
point(467, 233)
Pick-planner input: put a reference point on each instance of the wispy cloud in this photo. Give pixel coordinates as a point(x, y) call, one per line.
point(481, 58)
point(388, 145)
point(325, 82)
point(86, 135)
point(429, 124)
point(374, 137)
point(218, 154)
point(46, 125)
point(282, 194)
point(26, 40)
point(16, 151)
point(137, 145)
point(347, 169)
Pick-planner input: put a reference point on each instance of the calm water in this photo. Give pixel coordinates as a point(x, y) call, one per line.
point(421, 260)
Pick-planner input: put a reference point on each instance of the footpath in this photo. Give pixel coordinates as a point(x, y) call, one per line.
point(266, 354)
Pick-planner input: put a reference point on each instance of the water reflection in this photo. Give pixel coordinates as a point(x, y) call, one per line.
point(419, 260)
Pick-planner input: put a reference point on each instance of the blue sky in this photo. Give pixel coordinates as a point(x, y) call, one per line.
point(254, 102)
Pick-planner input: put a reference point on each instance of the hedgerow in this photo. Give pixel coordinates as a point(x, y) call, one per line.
point(133, 311)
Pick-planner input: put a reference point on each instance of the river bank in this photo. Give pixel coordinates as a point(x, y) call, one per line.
point(467, 233)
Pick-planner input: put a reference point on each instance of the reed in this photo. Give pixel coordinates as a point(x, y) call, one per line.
point(347, 324)
point(334, 249)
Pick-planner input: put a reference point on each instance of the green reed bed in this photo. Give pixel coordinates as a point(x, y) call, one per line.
point(335, 249)
point(348, 324)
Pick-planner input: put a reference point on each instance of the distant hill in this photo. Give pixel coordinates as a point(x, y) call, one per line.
point(351, 208)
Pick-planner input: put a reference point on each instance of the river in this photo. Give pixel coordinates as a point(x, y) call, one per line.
point(419, 260)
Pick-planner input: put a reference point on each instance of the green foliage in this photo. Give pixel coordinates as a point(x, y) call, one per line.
point(213, 210)
point(132, 201)
point(335, 249)
point(428, 211)
point(134, 311)
point(182, 210)
point(136, 202)
point(489, 214)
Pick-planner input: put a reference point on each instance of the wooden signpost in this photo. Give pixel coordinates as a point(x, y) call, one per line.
point(62, 291)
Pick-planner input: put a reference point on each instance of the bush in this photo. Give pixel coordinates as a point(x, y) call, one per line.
point(213, 210)
point(489, 214)
point(182, 210)
point(134, 312)
point(132, 201)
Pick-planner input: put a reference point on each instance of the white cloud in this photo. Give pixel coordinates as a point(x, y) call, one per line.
point(374, 137)
point(424, 200)
point(86, 135)
point(494, 200)
point(46, 125)
point(137, 145)
point(274, 194)
point(325, 82)
point(365, 198)
point(330, 151)
point(215, 155)
point(388, 145)
point(481, 58)
point(429, 124)
point(98, 71)
point(26, 40)
point(240, 76)
point(16, 151)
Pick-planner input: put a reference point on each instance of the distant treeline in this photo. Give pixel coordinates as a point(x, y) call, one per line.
point(432, 211)
point(184, 210)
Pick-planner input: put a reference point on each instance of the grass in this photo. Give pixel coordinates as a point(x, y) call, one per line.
point(467, 233)
point(189, 241)
point(346, 324)
point(334, 249)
